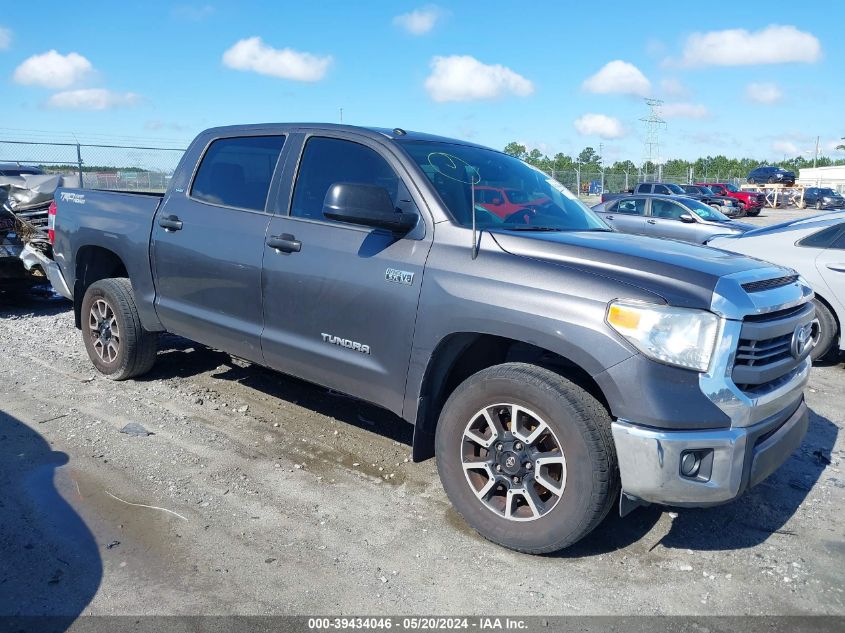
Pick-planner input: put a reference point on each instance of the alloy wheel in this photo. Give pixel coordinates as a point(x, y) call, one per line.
point(513, 462)
point(104, 331)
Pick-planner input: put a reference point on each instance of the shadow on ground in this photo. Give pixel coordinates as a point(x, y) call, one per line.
point(183, 358)
point(749, 521)
point(50, 563)
point(40, 300)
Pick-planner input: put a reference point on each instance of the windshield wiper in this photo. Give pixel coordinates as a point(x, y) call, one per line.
point(533, 228)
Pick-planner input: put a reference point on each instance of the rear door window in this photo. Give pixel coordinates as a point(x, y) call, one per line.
point(661, 189)
point(236, 172)
point(634, 206)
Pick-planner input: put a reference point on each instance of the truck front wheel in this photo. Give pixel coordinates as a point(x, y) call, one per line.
point(117, 344)
point(527, 457)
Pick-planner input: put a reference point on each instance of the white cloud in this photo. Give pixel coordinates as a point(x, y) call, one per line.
point(599, 125)
point(738, 47)
point(618, 77)
point(192, 13)
point(5, 38)
point(765, 92)
point(419, 21)
point(53, 70)
point(464, 78)
point(92, 99)
point(786, 147)
point(252, 54)
point(672, 87)
point(681, 110)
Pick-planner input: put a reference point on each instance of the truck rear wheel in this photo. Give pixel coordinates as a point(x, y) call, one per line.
point(117, 344)
point(527, 457)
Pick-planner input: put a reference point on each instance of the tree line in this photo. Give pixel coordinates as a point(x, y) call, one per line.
point(589, 161)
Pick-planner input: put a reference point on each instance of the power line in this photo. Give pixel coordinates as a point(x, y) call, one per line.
point(654, 123)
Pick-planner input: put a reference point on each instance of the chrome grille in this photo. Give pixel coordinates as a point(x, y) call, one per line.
point(764, 354)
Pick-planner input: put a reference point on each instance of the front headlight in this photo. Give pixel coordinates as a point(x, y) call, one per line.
point(676, 336)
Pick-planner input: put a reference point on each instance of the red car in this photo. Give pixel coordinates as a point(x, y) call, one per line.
point(505, 202)
point(752, 202)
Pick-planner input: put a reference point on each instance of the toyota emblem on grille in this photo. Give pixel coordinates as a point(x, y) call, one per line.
point(800, 339)
point(510, 462)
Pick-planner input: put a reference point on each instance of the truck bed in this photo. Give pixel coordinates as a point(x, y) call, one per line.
point(117, 222)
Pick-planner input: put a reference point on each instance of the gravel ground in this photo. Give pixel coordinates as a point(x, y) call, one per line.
point(261, 494)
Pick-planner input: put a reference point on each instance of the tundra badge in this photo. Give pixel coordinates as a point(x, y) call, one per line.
point(345, 342)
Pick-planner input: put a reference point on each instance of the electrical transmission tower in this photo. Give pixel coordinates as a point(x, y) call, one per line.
point(654, 123)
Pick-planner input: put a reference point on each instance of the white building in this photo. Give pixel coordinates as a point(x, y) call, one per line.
point(833, 177)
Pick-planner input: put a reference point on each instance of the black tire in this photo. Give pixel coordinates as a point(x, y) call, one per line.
point(752, 212)
point(752, 181)
point(131, 350)
point(818, 205)
point(828, 342)
point(577, 420)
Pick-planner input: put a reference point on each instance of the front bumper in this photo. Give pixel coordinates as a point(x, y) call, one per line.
point(734, 459)
point(32, 257)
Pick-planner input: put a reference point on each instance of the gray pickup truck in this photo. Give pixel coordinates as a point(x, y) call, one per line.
point(548, 362)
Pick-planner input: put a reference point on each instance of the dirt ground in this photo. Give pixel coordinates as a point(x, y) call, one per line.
point(260, 494)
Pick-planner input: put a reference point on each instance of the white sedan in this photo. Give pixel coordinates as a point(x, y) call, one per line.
point(815, 248)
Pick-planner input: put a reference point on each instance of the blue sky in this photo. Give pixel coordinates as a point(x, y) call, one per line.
point(492, 72)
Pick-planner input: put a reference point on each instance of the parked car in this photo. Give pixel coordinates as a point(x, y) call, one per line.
point(16, 169)
point(25, 193)
point(767, 175)
point(725, 204)
point(750, 201)
point(546, 360)
point(815, 248)
point(675, 217)
point(505, 202)
point(823, 198)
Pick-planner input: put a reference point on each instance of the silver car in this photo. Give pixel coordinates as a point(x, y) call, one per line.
point(815, 248)
point(674, 217)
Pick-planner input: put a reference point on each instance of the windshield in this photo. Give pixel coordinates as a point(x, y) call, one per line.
point(461, 174)
point(675, 188)
point(730, 187)
point(828, 192)
point(707, 191)
point(704, 212)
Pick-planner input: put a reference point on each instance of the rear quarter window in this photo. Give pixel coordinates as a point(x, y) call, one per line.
point(832, 236)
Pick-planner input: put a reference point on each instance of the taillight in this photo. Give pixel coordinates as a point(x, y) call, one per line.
point(51, 222)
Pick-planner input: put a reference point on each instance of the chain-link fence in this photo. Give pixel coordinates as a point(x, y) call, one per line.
point(595, 182)
point(115, 167)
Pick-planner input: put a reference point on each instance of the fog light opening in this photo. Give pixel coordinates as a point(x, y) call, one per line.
point(697, 464)
point(690, 463)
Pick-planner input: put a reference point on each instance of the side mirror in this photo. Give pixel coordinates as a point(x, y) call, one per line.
point(368, 205)
point(686, 217)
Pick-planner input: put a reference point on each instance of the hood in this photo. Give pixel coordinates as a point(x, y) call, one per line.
point(683, 274)
point(733, 225)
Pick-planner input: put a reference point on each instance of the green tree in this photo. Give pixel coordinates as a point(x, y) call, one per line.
point(515, 149)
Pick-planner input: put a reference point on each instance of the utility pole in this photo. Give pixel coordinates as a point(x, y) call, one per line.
point(816, 157)
point(653, 124)
point(341, 116)
point(601, 158)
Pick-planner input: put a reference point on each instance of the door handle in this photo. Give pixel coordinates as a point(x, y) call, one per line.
point(608, 217)
point(652, 221)
point(285, 243)
point(170, 223)
point(840, 268)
